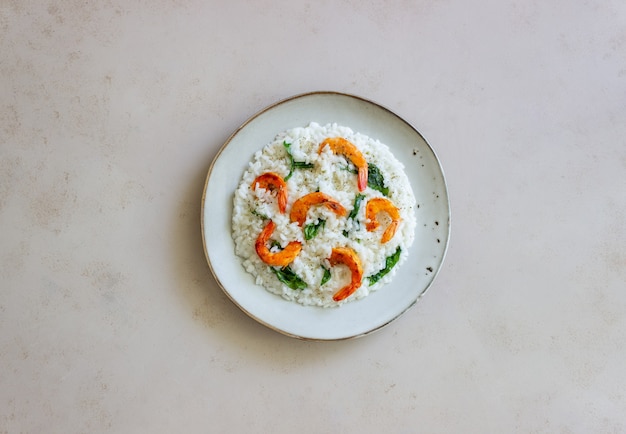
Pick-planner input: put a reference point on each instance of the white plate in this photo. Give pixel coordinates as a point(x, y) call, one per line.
point(379, 308)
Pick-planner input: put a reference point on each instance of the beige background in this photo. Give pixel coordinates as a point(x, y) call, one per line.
point(110, 115)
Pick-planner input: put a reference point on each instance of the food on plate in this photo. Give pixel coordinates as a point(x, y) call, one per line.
point(377, 205)
point(323, 215)
point(339, 145)
point(349, 258)
point(272, 182)
point(301, 206)
point(282, 257)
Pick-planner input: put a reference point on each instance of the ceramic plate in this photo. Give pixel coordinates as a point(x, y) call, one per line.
point(379, 308)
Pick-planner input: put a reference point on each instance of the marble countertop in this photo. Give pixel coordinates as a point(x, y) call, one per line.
point(110, 116)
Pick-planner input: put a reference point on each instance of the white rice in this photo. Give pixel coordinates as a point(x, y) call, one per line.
point(328, 176)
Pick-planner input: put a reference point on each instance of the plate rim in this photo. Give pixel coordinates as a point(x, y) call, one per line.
point(249, 120)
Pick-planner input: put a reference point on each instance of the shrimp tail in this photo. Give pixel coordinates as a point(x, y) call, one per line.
point(362, 178)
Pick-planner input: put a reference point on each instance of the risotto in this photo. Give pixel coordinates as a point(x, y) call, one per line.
point(323, 215)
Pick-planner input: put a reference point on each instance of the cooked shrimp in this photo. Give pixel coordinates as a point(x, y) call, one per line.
point(341, 146)
point(278, 259)
point(301, 206)
point(348, 257)
point(273, 182)
point(380, 204)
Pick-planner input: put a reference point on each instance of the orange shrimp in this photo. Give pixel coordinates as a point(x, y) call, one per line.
point(341, 146)
point(273, 182)
point(349, 258)
point(301, 206)
point(380, 204)
point(278, 259)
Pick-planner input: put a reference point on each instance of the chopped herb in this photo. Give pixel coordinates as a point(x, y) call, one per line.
point(310, 231)
point(293, 165)
point(326, 276)
point(258, 214)
point(350, 169)
point(289, 278)
point(376, 180)
point(303, 165)
point(276, 244)
point(390, 262)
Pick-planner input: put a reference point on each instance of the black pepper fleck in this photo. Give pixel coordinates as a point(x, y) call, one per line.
point(430, 269)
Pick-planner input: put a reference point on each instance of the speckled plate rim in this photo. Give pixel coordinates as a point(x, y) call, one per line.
point(381, 307)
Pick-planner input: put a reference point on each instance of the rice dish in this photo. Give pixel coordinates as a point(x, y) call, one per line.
point(342, 215)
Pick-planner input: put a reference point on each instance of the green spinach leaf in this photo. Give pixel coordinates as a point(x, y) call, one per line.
point(310, 231)
point(326, 276)
point(376, 180)
point(390, 262)
point(357, 204)
point(289, 278)
point(293, 165)
point(355, 209)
